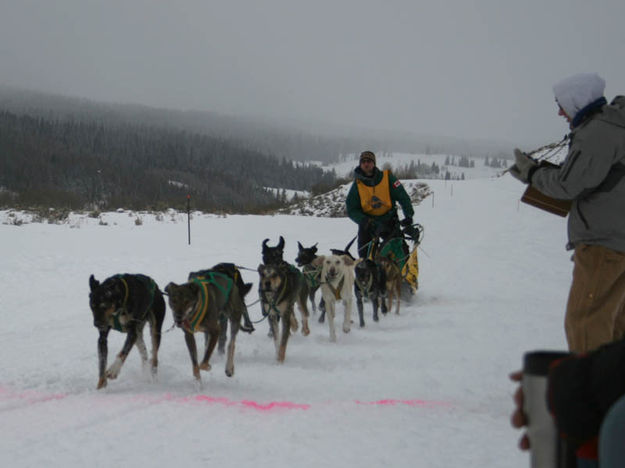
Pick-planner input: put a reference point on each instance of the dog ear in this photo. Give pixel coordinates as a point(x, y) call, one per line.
point(281, 243)
point(348, 260)
point(246, 288)
point(300, 247)
point(93, 283)
point(261, 268)
point(265, 244)
point(170, 287)
point(314, 248)
point(318, 261)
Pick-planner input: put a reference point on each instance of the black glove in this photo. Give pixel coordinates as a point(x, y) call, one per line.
point(406, 222)
point(412, 232)
point(523, 167)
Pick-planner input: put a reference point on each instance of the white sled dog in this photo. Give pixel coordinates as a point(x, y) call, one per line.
point(337, 284)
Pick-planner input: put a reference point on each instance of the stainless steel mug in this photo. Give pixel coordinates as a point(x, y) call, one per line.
point(547, 448)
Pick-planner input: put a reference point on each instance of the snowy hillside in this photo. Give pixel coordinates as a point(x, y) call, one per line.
point(446, 163)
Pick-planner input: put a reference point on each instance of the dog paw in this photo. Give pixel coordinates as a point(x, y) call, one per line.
point(376, 318)
point(205, 366)
point(346, 329)
point(101, 383)
point(113, 371)
point(229, 372)
point(305, 331)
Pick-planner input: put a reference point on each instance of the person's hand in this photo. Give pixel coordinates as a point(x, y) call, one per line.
point(406, 222)
point(523, 166)
point(518, 418)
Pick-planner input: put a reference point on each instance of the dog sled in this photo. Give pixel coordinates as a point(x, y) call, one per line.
point(404, 256)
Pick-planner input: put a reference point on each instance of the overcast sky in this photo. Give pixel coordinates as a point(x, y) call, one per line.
point(463, 68)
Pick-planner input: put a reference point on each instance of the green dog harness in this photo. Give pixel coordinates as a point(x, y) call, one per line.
point(202, 307)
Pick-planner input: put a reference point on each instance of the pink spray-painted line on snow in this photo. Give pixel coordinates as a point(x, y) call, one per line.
point(31, 397)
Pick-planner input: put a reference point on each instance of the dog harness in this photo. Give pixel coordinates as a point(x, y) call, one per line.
point(276, 299)
point(337, 291)
point(280, 296)
point(201, 308)
point(115, 320)
point(312, 275)
point(375, 200)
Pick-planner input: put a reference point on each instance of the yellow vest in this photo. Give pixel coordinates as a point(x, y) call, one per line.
point(376, 200)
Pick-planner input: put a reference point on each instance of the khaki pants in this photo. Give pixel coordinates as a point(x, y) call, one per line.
point(595, 312)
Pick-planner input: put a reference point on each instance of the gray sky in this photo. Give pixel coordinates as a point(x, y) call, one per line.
point(463, 68)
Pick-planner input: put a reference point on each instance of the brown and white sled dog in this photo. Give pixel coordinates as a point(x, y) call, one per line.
point(280, 287)
point(125, 302)
point(197, 305)
point(337, 283)
point(393, 282)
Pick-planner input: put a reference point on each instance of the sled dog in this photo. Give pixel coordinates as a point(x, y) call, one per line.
point(337, 283)
point(125, 302)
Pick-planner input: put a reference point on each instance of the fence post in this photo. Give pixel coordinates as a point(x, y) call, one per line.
point(189, 218)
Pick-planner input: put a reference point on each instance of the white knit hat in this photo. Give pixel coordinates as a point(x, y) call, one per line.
point(577, 91)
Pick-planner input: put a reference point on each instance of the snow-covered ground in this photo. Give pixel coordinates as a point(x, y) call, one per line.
point(427, 388)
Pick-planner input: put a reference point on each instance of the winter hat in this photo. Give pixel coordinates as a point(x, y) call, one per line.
point(367, 155)
point(578, 91)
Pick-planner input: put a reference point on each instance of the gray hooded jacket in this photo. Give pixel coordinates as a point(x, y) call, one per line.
point(593, 176)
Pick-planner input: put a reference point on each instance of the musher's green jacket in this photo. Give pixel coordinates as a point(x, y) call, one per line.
point(398, 194)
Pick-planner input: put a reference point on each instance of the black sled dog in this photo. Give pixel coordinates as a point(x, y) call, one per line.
point(370, 283)
point(273, 255)
point(125, 302)
point(312, 274)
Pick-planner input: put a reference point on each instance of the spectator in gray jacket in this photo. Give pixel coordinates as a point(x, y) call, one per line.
point(593, 177)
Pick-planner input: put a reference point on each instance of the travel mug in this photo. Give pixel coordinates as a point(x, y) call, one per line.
point(547, 448)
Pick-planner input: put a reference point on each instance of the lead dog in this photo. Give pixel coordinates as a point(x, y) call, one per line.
point(337, 283)
point(279, 288)
point(126, 302)
point(196, 306)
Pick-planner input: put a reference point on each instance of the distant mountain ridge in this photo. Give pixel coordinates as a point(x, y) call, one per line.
point(69, 152)
point(294, 140)
point(77, 162)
